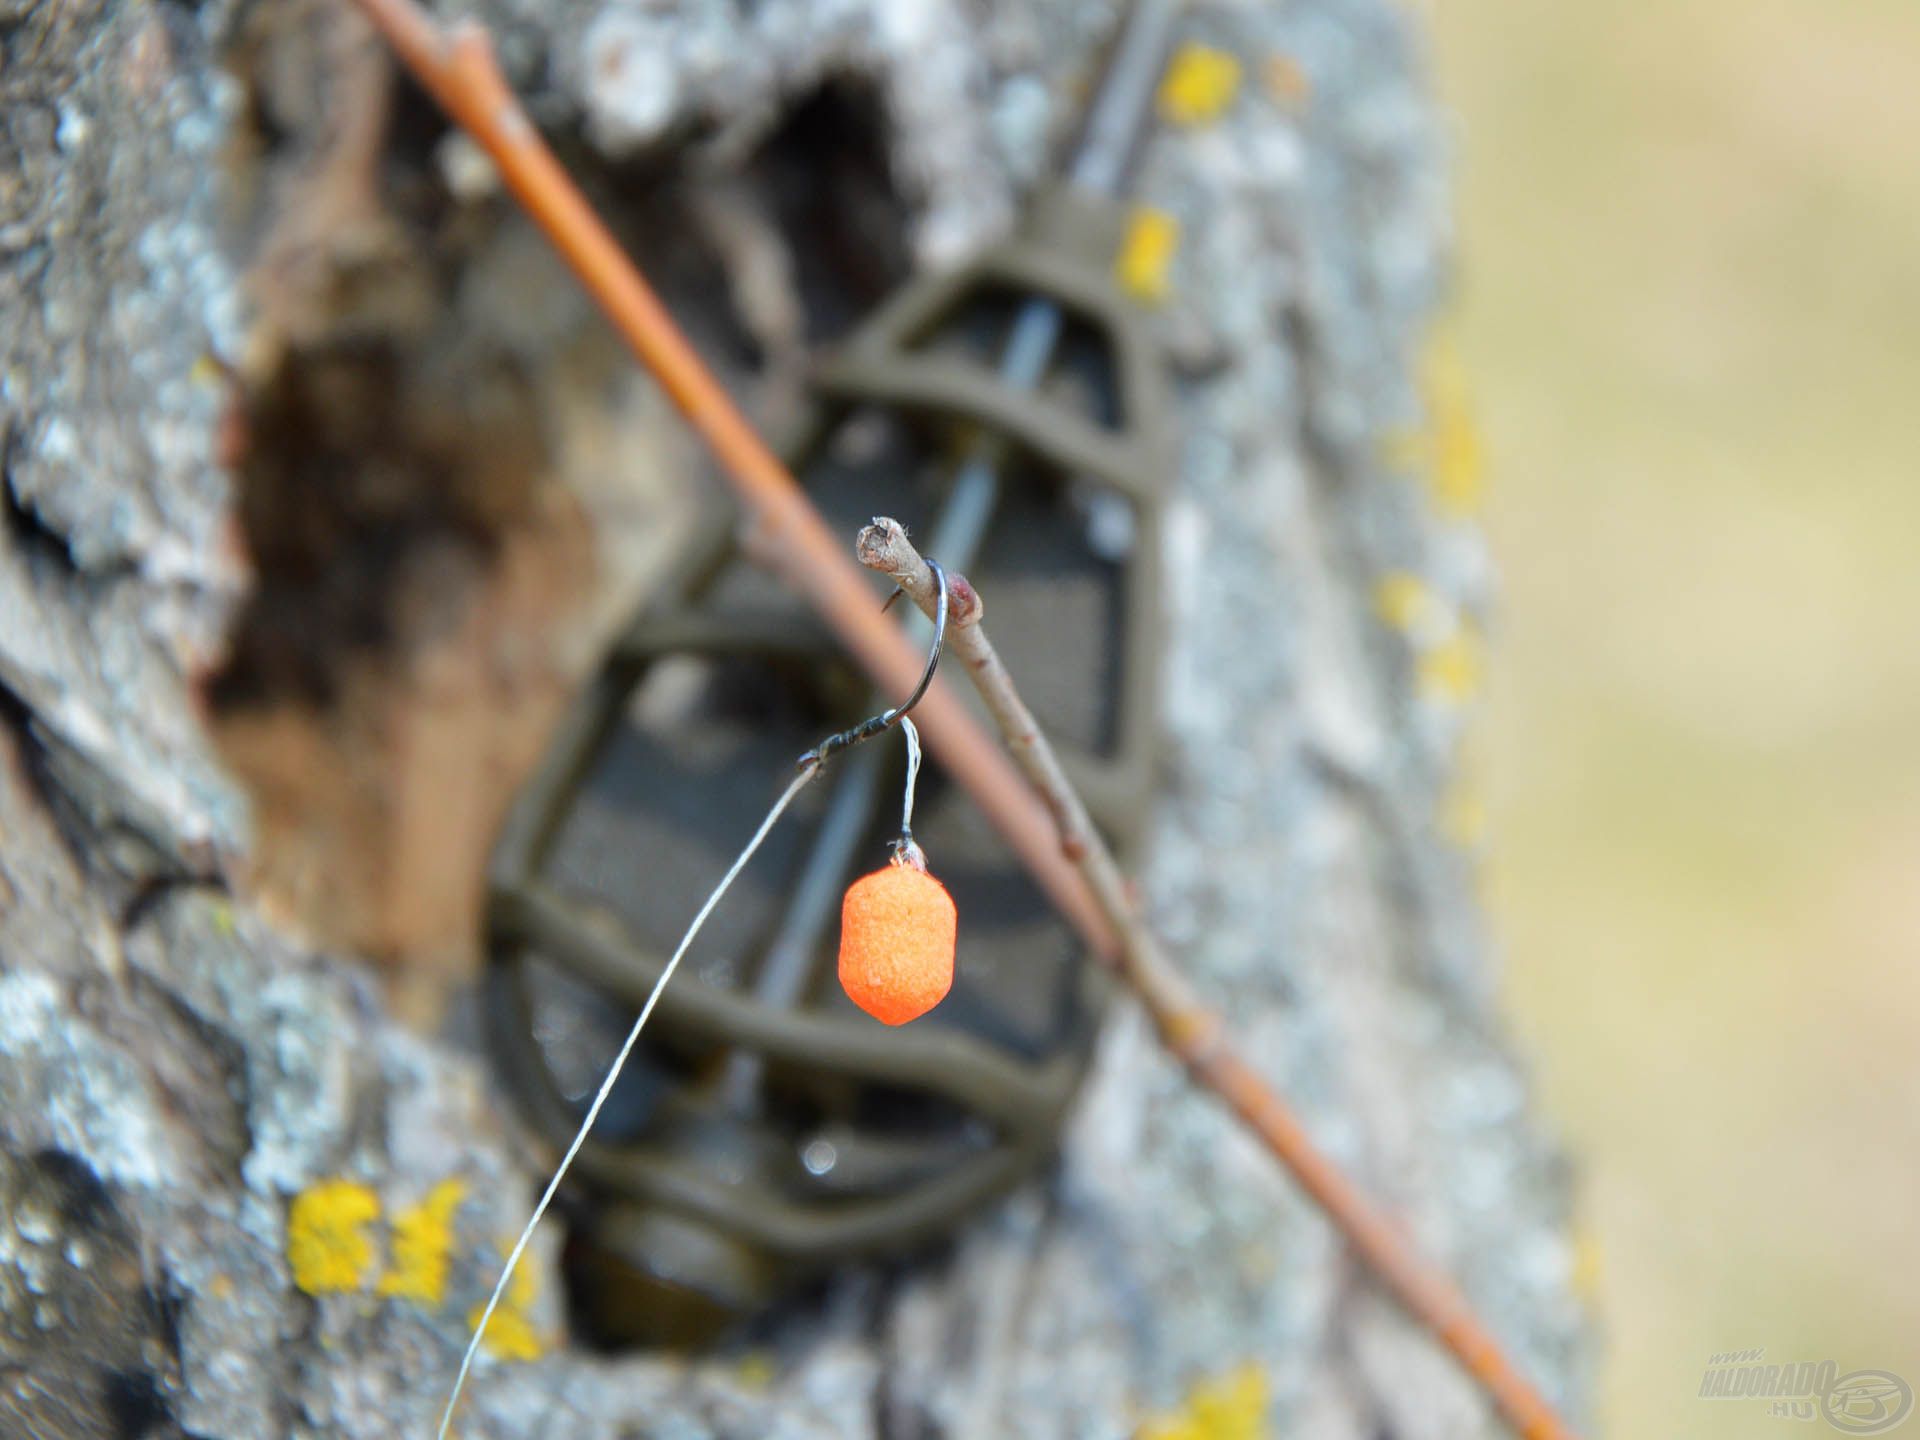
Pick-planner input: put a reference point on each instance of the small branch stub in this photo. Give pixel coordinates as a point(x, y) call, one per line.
point(883, 546)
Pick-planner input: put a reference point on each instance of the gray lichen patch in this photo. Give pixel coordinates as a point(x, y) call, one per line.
point(116, 581)
point(77, 1093)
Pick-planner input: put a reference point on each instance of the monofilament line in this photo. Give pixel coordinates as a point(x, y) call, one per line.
point(905, 850)
point(606, 1086)
point(913, 776)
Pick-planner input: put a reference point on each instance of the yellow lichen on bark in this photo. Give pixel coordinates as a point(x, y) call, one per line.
point(1146, 254)
point(422, 1246)
point(328, 1247)
point(1199, 85)
point(1450, 671)
point(1232, 1406)
point(1447, 449)
point(511, 1334)
point(1405, 602)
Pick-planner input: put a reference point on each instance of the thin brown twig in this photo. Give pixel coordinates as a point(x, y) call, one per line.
point(1196, 1036)
point(1061, 848)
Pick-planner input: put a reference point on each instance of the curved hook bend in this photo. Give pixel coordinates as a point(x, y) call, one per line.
point(887, 719)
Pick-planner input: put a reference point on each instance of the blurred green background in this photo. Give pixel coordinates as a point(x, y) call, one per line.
point(1691, 313)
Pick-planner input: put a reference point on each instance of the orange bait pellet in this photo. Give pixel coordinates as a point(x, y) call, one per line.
point(897, 929)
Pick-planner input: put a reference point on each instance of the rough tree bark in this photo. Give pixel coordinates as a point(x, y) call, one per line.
point(283, 376)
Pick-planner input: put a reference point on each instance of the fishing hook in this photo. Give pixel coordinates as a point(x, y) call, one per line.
point(887, 719)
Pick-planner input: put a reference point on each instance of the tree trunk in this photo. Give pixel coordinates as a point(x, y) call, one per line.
point(307, 441)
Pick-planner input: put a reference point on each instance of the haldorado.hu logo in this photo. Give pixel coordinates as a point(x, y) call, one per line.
point(1862, 1402)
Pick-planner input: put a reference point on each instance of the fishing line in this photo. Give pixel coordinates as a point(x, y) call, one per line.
point(794, 787)
point(810, 764)
point(904, 847)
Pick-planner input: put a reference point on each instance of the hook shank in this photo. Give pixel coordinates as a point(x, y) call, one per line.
point(887, 719)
